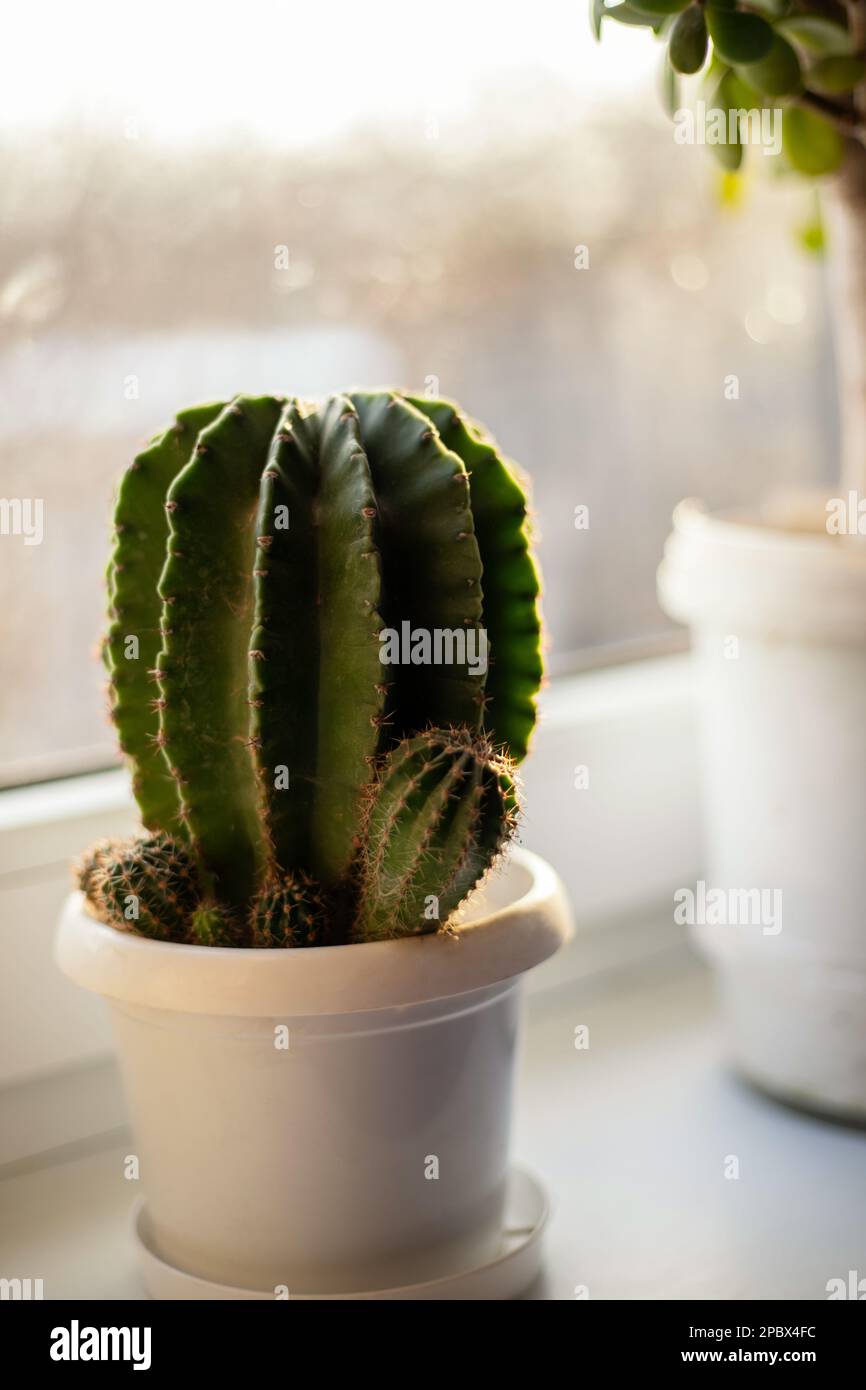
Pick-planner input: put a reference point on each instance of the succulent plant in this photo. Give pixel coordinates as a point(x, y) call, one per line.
point(263, 547)
point(806, 54)
point(89, 868)
point(146, 885)
point(214, 924)
point(288, 910)
point(435, 821)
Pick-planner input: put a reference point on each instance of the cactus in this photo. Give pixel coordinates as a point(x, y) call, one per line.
point(510, 581)
point(439, 815)
point(133, 640)
point(89, 868)
point(288, 910)
point(261, 547)
point(146, 885)
point(212, 924)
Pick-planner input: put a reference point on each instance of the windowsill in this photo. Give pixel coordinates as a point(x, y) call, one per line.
point(631, 1137)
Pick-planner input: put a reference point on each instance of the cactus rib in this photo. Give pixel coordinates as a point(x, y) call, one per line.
point(431, 565)
point(141, 532)
point(206, 589)
point(316, 639)
point(511, 582)
point(351, 694)
point(284, 645)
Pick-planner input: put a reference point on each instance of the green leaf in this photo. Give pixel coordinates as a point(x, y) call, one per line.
point(812, 238)
point(730, 189)
point(778, 74)
point(627, 14)
point(811, 144)
point(739, 92)
point(657, 7)
point(816, 34)
point(730, 155)
point(739, 37)
point(715, 73)
point(669, 86)
point(832, 76)
point(688, 46)
point(773, 9)
point(811, 235)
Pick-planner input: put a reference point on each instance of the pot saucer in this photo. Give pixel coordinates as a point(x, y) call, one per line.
point(507, 1276)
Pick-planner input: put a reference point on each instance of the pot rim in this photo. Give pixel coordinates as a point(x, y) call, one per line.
point(245, 982)
point(789, 521)
point(771, 570)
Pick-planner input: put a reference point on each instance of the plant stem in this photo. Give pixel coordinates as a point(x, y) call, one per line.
point(845, 120)
point(846, 207)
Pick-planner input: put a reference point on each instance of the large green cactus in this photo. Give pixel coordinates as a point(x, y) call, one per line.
point(262, 547)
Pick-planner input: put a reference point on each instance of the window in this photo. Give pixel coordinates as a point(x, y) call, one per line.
point(500, 218)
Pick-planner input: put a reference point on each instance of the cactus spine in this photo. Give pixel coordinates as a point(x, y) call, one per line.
point(438, 817)
point(262, 546)
point(212, 924)
point(288, 910)
point(147, 885)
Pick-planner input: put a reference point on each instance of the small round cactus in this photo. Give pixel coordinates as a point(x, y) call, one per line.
point(438, 817)
point(88, 869)
point(288, 910)
point(146, 885)
point(215, 925)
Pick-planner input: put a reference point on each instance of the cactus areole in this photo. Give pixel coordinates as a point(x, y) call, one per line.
point(324, 655)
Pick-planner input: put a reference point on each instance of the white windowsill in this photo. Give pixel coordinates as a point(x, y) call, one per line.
point(632, 1139)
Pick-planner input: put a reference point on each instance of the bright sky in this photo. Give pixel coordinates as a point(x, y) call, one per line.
point(294, 73)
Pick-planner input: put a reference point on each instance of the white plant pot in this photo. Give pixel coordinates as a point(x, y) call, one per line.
point(778, 615)
point(292, 1109)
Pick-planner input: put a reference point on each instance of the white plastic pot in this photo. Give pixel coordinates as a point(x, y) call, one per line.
point(777, 609)
point(330, 1120)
